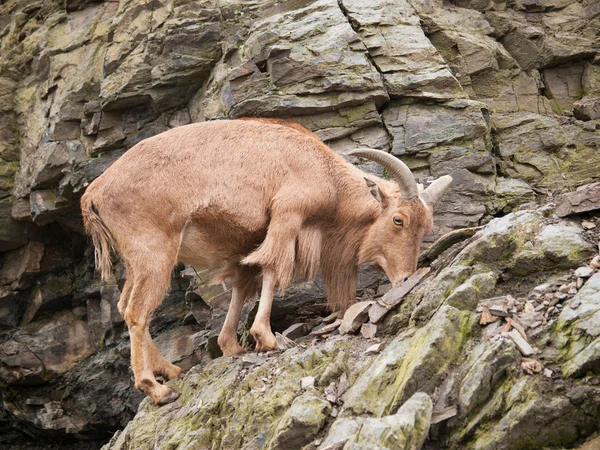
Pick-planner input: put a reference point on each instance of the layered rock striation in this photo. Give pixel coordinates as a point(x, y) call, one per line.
point(504, 96)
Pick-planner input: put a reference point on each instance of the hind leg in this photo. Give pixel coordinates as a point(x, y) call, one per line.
point(126, 292)
point(151, 276)
point(161, 366)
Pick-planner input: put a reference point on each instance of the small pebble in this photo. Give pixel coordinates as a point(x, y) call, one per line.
point(307, 382)
point(574, 305)
point(572, 291)
point(542, 288)
point(588, 225)
point(584, 272)
point(548, 373)
point(595, 263)
point(80, 311)
point(564, 288)
point(373, 349)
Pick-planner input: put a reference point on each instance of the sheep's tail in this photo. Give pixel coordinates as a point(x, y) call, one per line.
point(104, 242)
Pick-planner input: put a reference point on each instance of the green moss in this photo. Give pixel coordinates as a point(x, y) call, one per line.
point(7, 174)
point(466, 324)
point(432, 349)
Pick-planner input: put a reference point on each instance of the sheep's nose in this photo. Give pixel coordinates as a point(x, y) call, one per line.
point(400, 281)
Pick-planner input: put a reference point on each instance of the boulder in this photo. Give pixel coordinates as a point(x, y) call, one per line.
point(407, 429)
point(301, 423)
point(411, 362)
point(580, 333)
point(583, 199)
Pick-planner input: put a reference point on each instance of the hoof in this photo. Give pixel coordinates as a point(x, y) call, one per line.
point(236, 350)
point(266, 348)
point(169, 397)
point(228, 344)
point(172, 373)
point(265, 341)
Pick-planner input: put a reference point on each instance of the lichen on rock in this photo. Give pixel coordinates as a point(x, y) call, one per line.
point(501, 96)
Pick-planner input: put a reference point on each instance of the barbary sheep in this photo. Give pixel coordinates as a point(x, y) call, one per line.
point(259, 198)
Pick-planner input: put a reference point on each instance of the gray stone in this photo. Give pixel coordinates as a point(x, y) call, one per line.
point(560, 417)
point(399, 371)
point(52, 294)
point(354, 317)
point(489, 362)
point(295, 331)
point(395, 296)
point(564, 244)
point(301, 423)
point(580, 330)
point(13, 234)
point(419, 127)
point(368, 330)
point(584, 272)
point(587, 109)
point(9, 307)
point(475, 288)
point(45, 348)
point(21, 263)
point(522, 345)
point(510, 193)
point(530, 145)
point(307, 382)
point(407, 429)
point(405, 74)
point(265, 78)
point(585, 198)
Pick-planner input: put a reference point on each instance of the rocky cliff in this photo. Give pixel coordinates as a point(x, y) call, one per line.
point(504, 96)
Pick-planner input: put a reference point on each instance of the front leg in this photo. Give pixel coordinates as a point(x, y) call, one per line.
point(277, 253)
point(261, 328)
point(228, 337)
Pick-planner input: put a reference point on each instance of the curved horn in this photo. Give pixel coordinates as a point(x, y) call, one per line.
point(399, 171)
point(436, 189)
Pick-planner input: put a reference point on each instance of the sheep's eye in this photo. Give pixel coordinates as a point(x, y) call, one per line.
point(398, 221)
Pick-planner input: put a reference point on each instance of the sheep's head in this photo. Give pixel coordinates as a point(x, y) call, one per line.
point(406, 216)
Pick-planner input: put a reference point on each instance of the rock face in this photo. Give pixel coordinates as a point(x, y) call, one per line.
point(502, 96)
point(329, 392)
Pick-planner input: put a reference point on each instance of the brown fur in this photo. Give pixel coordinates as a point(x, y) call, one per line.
point(104, 243)
point(252, 196)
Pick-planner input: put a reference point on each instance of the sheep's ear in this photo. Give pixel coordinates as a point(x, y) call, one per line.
point(376, 192)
